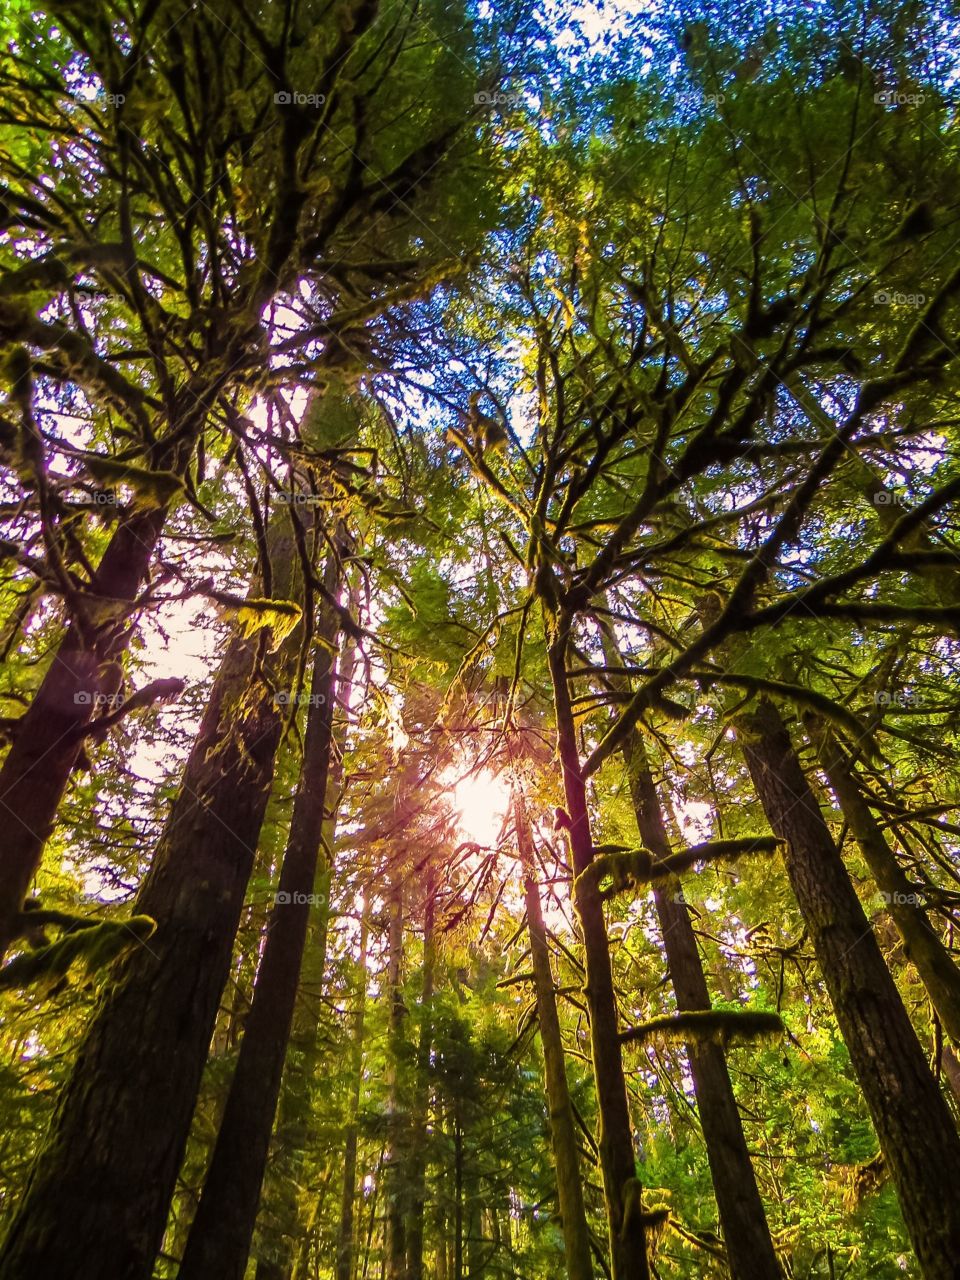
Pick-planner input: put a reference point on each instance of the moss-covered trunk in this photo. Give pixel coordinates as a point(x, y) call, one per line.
point(97, 1198)
point(930, 958)
point(627, 1237)
point(37, 768)
point(746, 1235)
point(395, 1163)
point(417, 1157)
point(284, 1219)
point(222, 1229)
point(563, 1132)
point(346, 1243)
point(913, 1123)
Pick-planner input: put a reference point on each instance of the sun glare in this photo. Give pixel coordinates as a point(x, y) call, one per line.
point(481, 799)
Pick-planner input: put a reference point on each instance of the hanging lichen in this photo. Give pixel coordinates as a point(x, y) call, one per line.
point(94, 945)
point(722, 1027)
point(151, 488)
point(628, 869)
point(253, 614)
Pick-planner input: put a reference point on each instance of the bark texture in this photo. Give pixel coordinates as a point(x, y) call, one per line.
point(219, 1241)
point(563, 1131)
point(627, 1237)
point(750, 1251)
point(931, 959)
point(97, 1198)
point(913, 1124)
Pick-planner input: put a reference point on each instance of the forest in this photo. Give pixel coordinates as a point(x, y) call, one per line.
point(479, 640)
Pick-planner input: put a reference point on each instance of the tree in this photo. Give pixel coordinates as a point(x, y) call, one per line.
point(223, 1226)
point(167, 992)
point(562, 1123)
point(916, 1133)
point(207, 185)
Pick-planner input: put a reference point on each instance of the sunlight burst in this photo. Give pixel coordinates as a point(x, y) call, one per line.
point(481, 799)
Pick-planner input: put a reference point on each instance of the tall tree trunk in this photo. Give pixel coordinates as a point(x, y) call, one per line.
point(457, 1193)
point(628, 1251)
point(48, 740)
point(37, 768)
point(750, 1250)
point(282, 1225)
point(563, 1132)
point(345, 1232)
point(929, 956)
point(473, 1218)
point(98, 1196)
point(307, 1019)
point(395, 1170)
point(219, 1239)
point(916, 1133)
point(417, 1158)
point(371, 1217)
point(441, 1231)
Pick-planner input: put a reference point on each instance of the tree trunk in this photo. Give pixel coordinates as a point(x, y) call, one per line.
point(932, 961)
point(442, 1236)
point(98, 1196)
point(913, 1124)
point(457, 1194)
point(750, 1251)
point(283, 1227)
point(563, 1132)
point(219, 1239)
point(345, 1234)
point(37, 768)
point(48, 740)
point(307, 1018)
point(418, 1123)
point(628, 1252)
point(473, 1218)
point(395, 1165)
